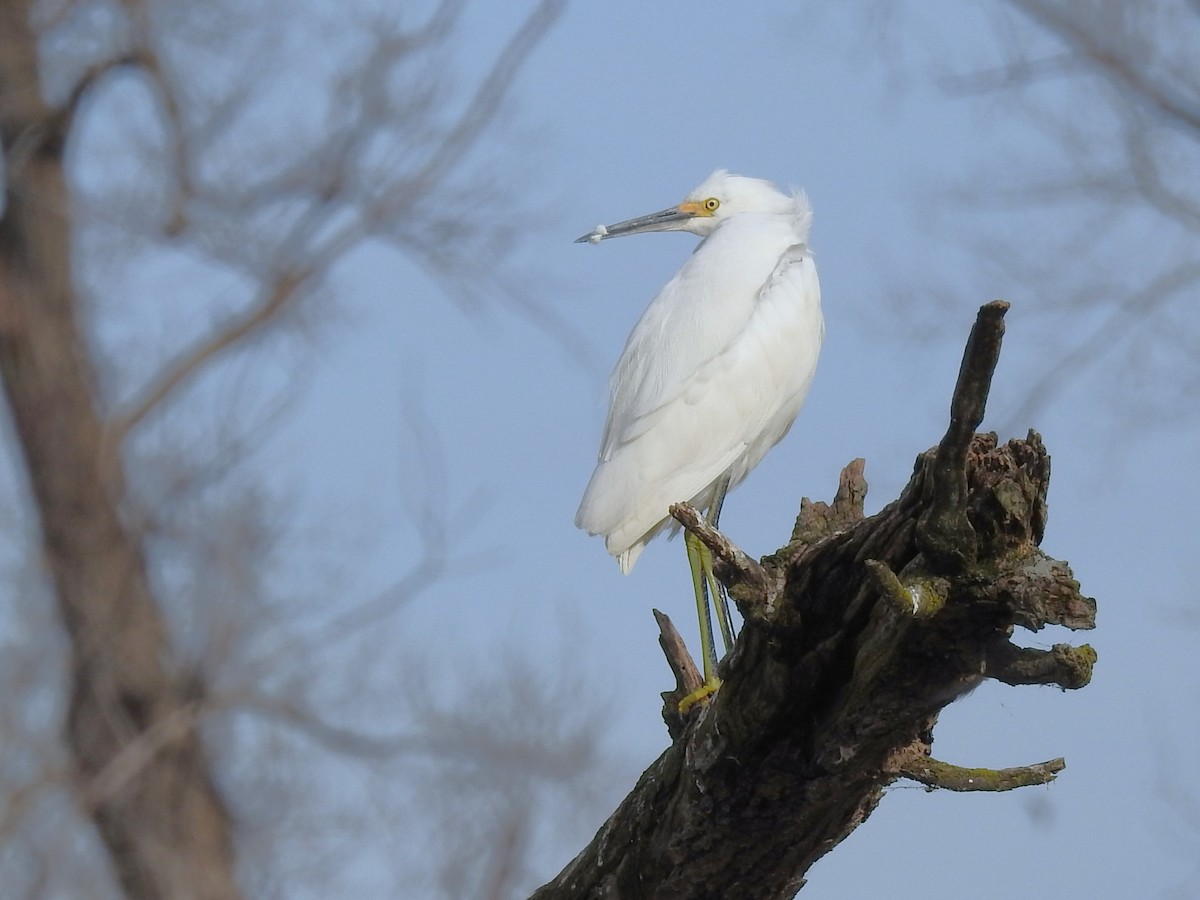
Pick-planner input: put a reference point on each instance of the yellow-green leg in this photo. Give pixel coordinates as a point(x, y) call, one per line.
point(701, 574)
point(705, 584)
point(717, 590)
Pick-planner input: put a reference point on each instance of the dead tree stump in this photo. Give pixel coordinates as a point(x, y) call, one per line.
point(857, 634)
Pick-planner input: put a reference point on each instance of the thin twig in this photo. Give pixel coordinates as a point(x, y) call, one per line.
point(486, 103)
point(1129, 316)
point(1146, 168)
point(1174, 107)
point(467, 740)
point(178, 139)
point(91, 77)
point(272, 301)
point(332, 737)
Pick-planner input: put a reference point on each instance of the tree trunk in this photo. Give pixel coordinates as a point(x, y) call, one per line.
point(857, 634)
point(142, 772)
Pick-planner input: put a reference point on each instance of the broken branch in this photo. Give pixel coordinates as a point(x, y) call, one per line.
point(683, 667)
point(1063, 665)
point(944, 530)
point(933, 773)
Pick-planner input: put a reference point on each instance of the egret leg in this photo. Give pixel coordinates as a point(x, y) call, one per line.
point(719, 594)
point(720, 598)
point(708, 653)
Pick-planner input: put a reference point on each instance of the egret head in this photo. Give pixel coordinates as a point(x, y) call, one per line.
point(720, 197)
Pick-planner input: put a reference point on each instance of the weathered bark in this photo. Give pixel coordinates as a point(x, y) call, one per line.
point(142, 772)
point(857, 633)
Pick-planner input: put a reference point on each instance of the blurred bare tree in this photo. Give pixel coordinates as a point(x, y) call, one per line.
point(181, 186)
point(1101, 100)
point(1128, 156)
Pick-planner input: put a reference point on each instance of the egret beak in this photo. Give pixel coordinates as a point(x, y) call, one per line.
point(670, 219)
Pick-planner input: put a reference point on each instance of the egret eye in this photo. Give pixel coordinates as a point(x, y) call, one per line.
point(711, 204)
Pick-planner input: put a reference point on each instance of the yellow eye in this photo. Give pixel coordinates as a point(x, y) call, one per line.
point(711, 204)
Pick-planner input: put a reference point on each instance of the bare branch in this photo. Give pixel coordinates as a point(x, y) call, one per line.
point(1172, 106)
point(178, 139)
point(1145, 167)
point(945, 523)
point(487, 101)
point(683, 667)
point(934, 773)
point(92, 76)
point(434, 523)
point(309, 250)
point(1129, 315)
point(1124, 114)
point(331, 737)
point(1015, 74)
point(1066, 666)
point(468, 740)
point(272, 301)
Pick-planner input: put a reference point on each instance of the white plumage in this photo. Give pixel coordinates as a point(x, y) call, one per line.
point(715, 371)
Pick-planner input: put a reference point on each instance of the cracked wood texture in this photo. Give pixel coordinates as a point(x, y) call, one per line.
point(141, 771)
point(862, 630)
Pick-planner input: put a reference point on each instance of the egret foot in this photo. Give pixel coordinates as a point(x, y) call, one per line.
point(699, 695)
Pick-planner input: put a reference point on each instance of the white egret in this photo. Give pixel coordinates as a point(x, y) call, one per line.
point(712, 375)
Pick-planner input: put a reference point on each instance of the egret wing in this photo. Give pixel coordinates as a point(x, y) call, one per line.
point(693, 320)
